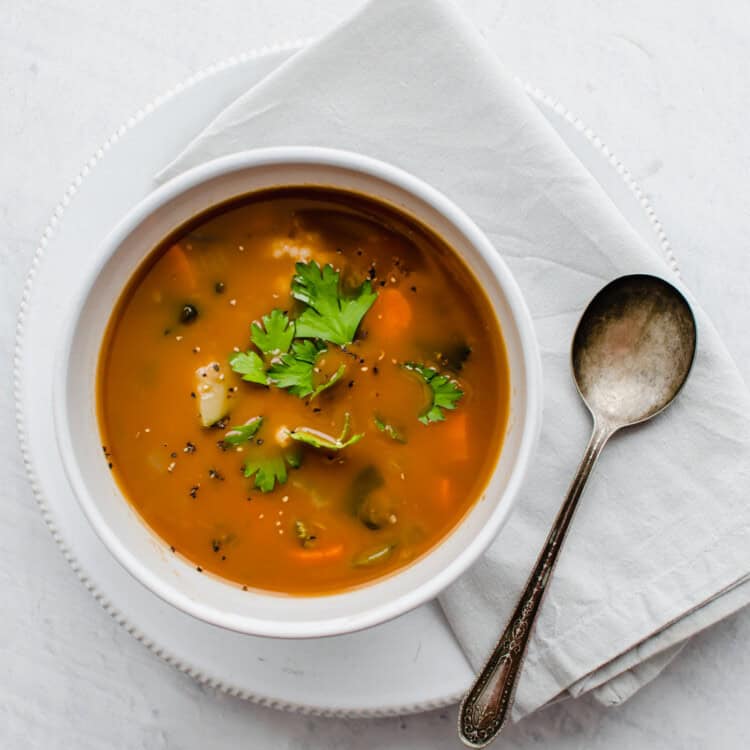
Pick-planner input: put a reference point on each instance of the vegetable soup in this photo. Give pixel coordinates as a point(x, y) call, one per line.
point(302, 390)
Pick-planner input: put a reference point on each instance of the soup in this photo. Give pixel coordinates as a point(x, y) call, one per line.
point(302, 391)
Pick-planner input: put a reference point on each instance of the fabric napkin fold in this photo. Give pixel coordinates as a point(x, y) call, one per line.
point(660, 548)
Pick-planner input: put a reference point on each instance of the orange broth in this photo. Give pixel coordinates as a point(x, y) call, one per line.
point(342, 517)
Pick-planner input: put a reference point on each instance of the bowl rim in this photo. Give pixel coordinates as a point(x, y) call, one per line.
point(530, 429)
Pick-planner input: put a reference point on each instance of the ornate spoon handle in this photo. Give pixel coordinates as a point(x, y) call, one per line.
point(486, 707)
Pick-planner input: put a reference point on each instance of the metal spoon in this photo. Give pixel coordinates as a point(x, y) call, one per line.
point(632, 352)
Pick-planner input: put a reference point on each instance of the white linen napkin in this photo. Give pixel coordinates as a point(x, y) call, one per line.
point(660, 547)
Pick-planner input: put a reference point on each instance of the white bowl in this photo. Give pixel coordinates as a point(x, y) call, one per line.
point(145, 555)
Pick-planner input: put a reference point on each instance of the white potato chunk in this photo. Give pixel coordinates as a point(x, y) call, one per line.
point(297, 248)
point(211, 392)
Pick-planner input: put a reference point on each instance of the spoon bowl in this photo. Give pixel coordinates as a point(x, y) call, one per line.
point(633, 349)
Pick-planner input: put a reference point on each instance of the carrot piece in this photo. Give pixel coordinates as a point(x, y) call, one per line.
point(180, 268)
point(391, 314)
point(317, 554)
point(456, 436)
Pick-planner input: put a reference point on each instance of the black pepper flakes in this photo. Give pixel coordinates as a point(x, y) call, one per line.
point(171, 548)
point(198, 568)
point(173, 455)
point(350, 384)
point(189, 313)
point(215, 545)
point(375, 370)
point(259, 441)
point(194, 491)
point(109, 464)
point(414, 289)
point(192, 395)
point(219, 287)
point(189, 448)
point(317, 410)
point(213, 474)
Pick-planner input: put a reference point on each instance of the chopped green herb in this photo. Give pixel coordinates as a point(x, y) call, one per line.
point(250, 366)
point(445, 392)
point(373, 556)
point(268, 470)
point(296, 370)
point(277, 336)
point(271, 469)
point(329, 315)
point(293, 458)
point(318, 439)
point(303, 534)
point(389, 430)
point(242, 433)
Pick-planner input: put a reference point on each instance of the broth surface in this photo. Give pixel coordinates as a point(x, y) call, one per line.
point(343, 516)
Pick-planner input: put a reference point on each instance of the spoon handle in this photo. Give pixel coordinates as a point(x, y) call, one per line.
point(486, 707)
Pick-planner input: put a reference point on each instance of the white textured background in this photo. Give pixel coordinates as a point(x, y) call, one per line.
point(666, 85)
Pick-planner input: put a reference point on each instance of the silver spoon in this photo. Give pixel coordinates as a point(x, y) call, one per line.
point(631, 354)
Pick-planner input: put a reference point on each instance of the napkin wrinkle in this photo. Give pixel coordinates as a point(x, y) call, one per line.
point(661, 543)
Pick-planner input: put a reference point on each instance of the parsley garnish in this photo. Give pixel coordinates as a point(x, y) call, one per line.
point(270, 469)
point(320, 440)
point(295, 370)
point(250, 366)
point(274, 340)
point(329, 315)
point(289, 369)
point(445, 392)
point(389, 430)
point(277, 336)
point(243, 432)
point(267, 470)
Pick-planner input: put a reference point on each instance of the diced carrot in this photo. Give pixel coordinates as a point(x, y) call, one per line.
point(391, 314)
point(180, 268)
point(456, 435)
point(317, 554)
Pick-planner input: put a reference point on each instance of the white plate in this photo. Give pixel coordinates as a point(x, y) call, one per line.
point(410, 664)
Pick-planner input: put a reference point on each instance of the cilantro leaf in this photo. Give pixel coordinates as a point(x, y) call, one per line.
point(445, 392)
point(243, 432)
point(329, 315)
point(250, 366)
point(277, 336)
point(296, 370)
point(268, 470)
point(319, 439)
point(389, 430)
